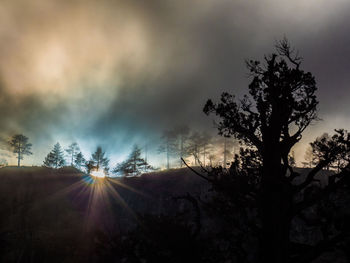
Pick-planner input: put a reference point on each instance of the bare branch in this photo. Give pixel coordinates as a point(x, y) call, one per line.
point(284, 49)
point(197, 173)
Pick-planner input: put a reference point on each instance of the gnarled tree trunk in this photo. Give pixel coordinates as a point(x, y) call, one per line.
point(275, 208)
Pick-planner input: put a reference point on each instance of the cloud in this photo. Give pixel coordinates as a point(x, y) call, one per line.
point(119, 72)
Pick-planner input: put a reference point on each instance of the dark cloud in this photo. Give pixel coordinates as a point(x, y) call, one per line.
point(119, 72)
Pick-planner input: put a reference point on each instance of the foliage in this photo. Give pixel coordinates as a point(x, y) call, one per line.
point(79, 160)
point(99, 160)
point(332, 149)
point(134, 165)
point(89, 166)
point(270, 121)
point(19, 145)
point(55, 158)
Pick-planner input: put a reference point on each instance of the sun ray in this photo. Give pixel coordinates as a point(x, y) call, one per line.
point(121, 184)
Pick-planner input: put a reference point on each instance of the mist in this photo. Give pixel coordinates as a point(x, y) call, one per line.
point(116, 73)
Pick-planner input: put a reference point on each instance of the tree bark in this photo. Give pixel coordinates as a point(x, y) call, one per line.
point(275, 207)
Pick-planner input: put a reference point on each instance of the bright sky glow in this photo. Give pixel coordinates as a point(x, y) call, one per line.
point(98, 173)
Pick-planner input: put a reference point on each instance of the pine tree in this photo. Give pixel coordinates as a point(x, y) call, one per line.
point(89, 166)
point(55, 158)
point(79, 160)
point(20, 146)
point(134, 164)
point(99, 160)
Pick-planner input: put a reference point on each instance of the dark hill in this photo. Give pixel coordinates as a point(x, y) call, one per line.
point(52, 215)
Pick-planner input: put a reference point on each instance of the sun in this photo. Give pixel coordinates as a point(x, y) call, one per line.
point(98, 173)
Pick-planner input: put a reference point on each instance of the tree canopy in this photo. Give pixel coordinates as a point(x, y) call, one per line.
point(99, 159)
point(281, 103)
point(79, 160)
point(55, 158)
point(134, 165)
point(19, 145)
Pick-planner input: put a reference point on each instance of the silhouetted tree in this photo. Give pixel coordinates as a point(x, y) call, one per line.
point(280, 106)
point(79, 160)
point(89, 165)
point(72, 151)
point(316, 152)
point(19, 145)
point(134, 165)
point(55, 158)
point(99, 160)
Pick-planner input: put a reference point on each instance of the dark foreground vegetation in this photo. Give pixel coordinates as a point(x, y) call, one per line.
point(50, 215)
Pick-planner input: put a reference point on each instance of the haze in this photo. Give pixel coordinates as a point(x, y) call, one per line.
point(115, 73)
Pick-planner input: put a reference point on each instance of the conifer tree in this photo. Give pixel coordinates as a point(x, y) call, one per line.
point(134, 164)
point(55, 158)
point(79, 160)
point(99, 160)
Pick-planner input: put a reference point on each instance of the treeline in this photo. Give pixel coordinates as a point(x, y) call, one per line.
point(196, 148)
point(72, 156)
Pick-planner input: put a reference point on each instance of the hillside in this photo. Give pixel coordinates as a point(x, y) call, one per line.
point(55, 211)
point(53, 215)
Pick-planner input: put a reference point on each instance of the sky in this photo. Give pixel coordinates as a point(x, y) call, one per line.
point(115, 73)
